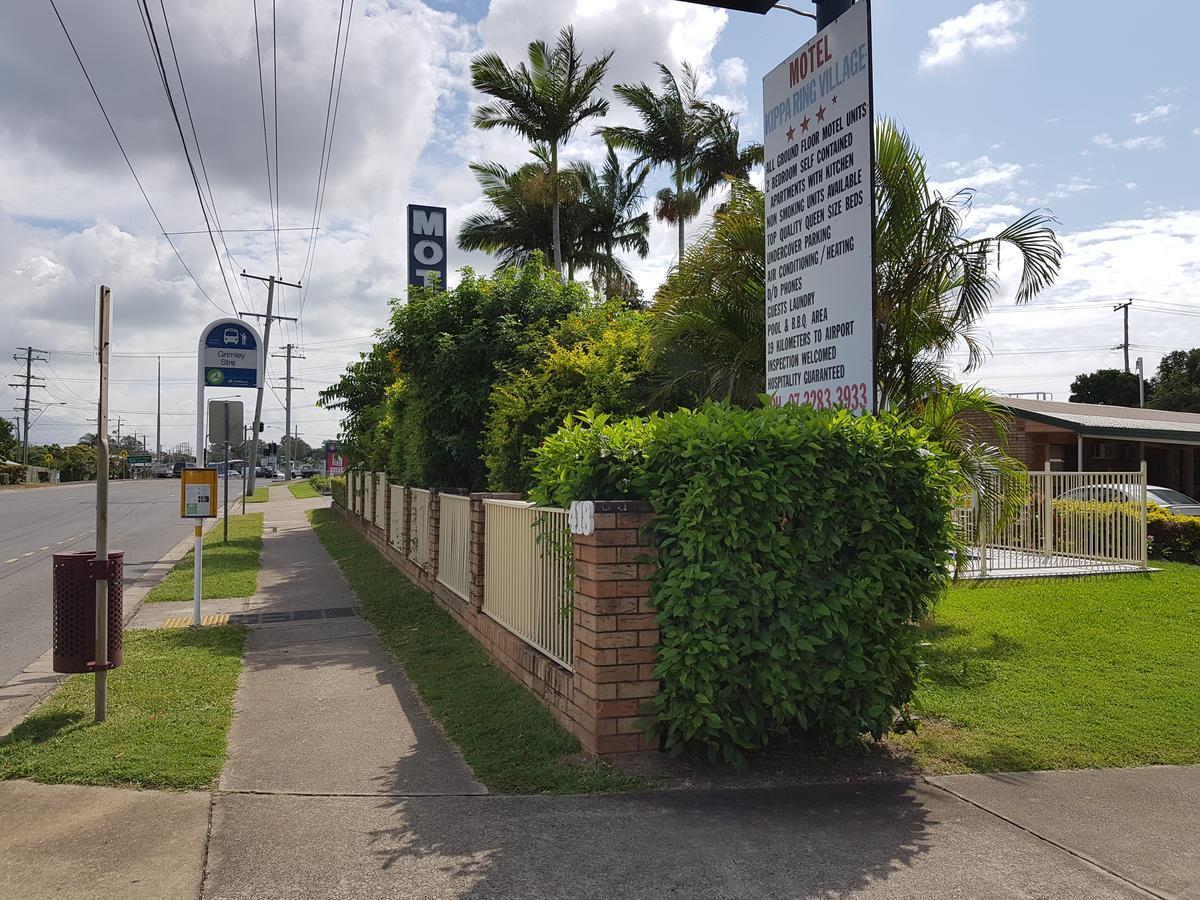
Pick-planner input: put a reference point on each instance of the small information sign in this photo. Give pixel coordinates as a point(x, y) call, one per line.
point(198, 494)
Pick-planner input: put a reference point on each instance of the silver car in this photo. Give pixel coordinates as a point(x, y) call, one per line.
point(1167, 499)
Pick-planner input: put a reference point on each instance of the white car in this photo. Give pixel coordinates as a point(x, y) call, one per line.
point(1167, 499)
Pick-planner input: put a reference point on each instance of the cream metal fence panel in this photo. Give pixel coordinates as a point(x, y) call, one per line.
point(454, 543)
point(397, 538)
point(528, 584)
point(368, 483)
point(380, 490)
point(1069, 523)
point(418, 549)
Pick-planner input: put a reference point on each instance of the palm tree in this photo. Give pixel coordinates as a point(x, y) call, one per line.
point(722, 155)
point(933, 284)
point(544, 102)
point(612, 202)
point(676, 127)
point(708, 340)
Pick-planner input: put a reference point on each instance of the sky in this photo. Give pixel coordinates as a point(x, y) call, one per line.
point(1086, 109)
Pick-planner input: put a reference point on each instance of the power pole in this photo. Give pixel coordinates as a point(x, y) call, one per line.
point(1125, 344)
point(271, 281)
point(287, 415)
point(158, 418)
point(32, 355)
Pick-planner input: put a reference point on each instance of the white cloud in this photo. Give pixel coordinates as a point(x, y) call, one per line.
point(1156, 257)
point(1149, 142)
point(1077, 185)
point(1131, 185)
point(985, 27)
point(1161, 111)
point(71, 217)
point(978, 174)
point(1196, 132)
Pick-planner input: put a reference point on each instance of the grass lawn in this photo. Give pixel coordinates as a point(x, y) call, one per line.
point(1063, 673)
point(302, 490)
point(260, 495)
point(230, 569)
point(509, 739)
point(169, 709)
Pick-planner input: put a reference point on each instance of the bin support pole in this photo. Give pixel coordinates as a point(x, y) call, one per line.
point(101, 562)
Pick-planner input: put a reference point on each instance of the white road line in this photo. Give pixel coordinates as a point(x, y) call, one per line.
point(34, 551)
point(12, 560)
point(43, 548)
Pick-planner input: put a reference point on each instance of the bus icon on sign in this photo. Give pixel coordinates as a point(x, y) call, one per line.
point(232, 336)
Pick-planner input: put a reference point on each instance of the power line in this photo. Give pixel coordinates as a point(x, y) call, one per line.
point(156, 50)
point(212, 200)
point(275, 110)
point(326, 154)
point(262, 99)
point(125, 156)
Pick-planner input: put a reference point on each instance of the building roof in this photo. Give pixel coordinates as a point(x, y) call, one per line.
point(1098, 420)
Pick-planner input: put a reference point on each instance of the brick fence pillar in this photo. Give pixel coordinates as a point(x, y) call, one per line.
point(475, 559)
point(615, 630)
point(435, 530)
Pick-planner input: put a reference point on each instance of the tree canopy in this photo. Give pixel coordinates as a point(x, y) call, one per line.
point(1112, 387)
point(1176, 384)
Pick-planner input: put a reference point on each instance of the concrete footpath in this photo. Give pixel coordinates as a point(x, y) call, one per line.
point(338, 785)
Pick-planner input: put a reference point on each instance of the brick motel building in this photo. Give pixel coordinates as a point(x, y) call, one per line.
point(1095, 438)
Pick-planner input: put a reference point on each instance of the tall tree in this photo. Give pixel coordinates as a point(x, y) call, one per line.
point(544, 102)
point(1108, 386)
point(1176, 384)
point(8, 440)
point(708, 340)
point(520, 222)
point(682, 132)
point(613, 218)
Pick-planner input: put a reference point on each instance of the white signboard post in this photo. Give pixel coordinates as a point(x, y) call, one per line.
point(229, 354)
point(819, 154)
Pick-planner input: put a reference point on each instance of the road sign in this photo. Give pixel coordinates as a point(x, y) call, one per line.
point(124, 454)
point(819, 179)
point(232, 355)
point(136, 457)
point(197, 493)
point(224, 421)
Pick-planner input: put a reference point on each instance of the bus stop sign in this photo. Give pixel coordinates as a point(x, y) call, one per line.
point(231, 355)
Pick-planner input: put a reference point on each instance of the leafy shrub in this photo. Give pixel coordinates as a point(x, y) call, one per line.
point(595, 359)
point(337, 487)
point(796, 549)
point(1078, 521)
point(320, 483)
point(591, 457)
point(11, 473)
point(1173, 538)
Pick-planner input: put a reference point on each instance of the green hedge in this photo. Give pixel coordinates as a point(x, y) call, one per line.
point(1174, 538)
point(337, 487)
point(320, 483)
point(796, 550)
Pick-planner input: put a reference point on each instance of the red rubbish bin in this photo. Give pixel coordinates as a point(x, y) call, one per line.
point(75, 610)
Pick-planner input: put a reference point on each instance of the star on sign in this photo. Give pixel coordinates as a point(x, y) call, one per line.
point(821, 114)
point(791, 133)
point(804, 124)
point(834, 101)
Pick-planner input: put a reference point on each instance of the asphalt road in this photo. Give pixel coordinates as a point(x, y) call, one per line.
point(143, 520)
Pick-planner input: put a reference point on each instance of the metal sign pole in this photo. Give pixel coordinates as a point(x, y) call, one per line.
point(201, 458)
point(101, 562)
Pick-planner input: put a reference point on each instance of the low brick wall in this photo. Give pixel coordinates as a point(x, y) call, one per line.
point(615, 636)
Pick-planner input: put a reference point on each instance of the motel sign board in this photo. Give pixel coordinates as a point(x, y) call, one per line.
point(819, 161)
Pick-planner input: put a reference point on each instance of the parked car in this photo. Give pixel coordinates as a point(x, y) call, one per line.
point(1167, 499)
point(307, 471)
point(177, 468)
